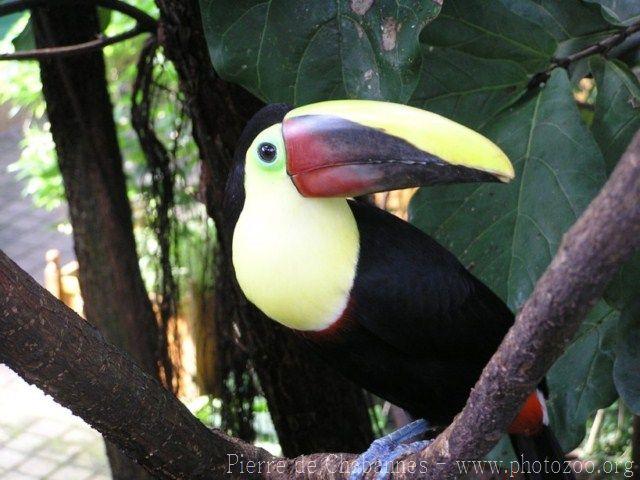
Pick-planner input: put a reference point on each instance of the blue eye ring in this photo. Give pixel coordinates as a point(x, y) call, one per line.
point(267, 152)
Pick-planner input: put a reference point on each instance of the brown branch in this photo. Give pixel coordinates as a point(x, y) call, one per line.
point(606, 235)
point(52, 347)
point(69, 50)
point(49, 345)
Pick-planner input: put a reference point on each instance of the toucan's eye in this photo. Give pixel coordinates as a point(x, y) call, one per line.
point(267, 152)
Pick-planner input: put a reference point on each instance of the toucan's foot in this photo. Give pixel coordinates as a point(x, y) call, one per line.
point(386, 462)
point(384, 447)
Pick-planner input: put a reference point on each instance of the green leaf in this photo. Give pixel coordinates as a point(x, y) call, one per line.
point(563, 20)
point(474, 66)
point(25, 39)
point(502, 452)
point(574, 24)
point(465, 88)
point(626, 369)
point(7, 22)
point(616, 120)
point(304, 51)
point(617, 108)
point(581, 381)
point(491, 30)
point(619, 12)
point(508, 234)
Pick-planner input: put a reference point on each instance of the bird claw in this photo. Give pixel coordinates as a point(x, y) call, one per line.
point(384, 447)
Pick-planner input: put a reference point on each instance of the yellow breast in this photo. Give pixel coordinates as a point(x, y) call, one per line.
point(295, 258)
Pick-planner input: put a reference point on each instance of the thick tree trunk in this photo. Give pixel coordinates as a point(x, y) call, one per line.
point(303, 394)
point(80, 112)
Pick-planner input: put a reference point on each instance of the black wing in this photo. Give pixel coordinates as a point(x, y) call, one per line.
point(416, 296)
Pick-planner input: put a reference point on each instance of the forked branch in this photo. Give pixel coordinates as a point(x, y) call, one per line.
point(53, 348)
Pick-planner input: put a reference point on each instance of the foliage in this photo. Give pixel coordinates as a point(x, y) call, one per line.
point(20, 85)
point(613, 442)
point(209, 411)
point(333, 49)
point(486, 65)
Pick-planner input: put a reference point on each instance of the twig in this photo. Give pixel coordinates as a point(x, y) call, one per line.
point(144, 24)
point(602, 47)
point(594, 432)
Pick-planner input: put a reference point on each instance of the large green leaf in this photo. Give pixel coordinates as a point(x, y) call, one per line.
point(620, 12)
point(626, 370)
point(478, 56)
point(581, 381)
point(616, 120)
point(466, 88)
point(491, 30)
point(507, 234)
point(573, 23)
point(303, 51)
point(25, 40)
point(564, 20)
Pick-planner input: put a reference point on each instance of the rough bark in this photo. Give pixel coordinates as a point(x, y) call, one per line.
point(80, 113)
point(219, 111)
point(49, 345)
point(591, 252)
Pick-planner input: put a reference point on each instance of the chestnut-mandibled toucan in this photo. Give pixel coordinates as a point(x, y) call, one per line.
point(380, 300)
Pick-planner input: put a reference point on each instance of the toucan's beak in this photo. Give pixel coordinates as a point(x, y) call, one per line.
point(346, 148)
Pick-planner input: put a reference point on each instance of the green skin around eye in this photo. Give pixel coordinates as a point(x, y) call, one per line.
point(272, 135)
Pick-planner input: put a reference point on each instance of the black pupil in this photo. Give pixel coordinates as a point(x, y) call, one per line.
point(267, 152)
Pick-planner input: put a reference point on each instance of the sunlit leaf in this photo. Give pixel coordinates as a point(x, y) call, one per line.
point(7, 22)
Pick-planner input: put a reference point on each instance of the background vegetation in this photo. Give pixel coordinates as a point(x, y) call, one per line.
point(553, 83)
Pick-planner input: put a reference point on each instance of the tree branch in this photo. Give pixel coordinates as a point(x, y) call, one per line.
point(606, 235)
point(50, 346)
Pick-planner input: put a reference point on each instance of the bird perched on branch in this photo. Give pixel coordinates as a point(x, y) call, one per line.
point(380, 300)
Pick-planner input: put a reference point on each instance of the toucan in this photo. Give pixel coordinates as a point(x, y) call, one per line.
point(377, 298)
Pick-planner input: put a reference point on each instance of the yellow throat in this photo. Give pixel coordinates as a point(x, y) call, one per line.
point(295, 258)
